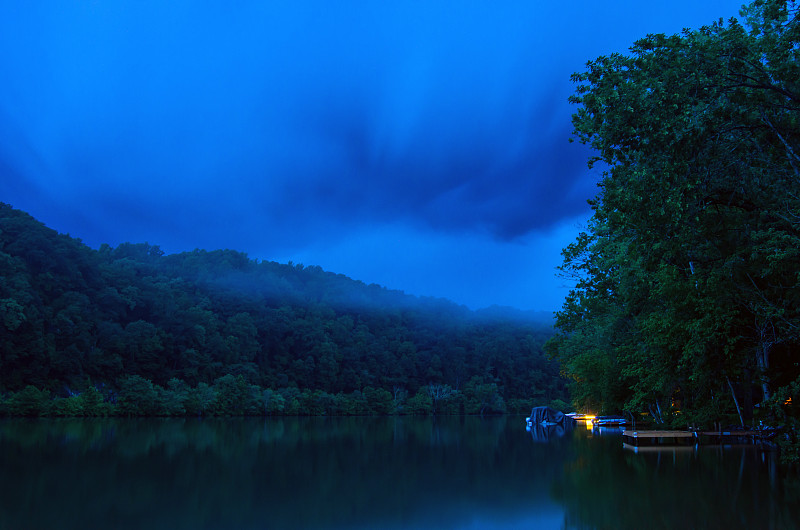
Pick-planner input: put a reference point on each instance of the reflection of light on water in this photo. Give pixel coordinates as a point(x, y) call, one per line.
point(588, 425)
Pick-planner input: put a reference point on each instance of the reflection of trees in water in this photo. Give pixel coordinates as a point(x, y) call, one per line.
point(378, 472)
point(278, 473)
point(607, 487)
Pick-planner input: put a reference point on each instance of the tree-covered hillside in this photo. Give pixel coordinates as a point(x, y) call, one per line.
point(687, 303)
point(219, 332)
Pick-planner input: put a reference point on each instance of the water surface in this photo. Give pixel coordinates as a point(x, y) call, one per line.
point(336, 473)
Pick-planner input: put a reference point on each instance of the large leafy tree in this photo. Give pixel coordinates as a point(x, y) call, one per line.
point(687, 286)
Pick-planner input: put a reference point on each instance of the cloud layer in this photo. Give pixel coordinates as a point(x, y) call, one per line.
point(293, 127)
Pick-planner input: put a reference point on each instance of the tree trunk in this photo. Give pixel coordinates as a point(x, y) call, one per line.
point(735, 401)
point(762, 361)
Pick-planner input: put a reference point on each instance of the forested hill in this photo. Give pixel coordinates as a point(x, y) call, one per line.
point(73, 318)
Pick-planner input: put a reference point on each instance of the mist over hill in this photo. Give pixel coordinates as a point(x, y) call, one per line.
point(73, 317)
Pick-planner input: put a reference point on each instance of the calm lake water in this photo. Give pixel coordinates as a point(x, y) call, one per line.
point(368, 473)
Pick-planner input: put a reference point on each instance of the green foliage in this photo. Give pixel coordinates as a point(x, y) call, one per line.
point(138, 397)
point(687, 299)
point(12, 314)
point(481, 397)
point(234, 396)
point(420, 404)
point(92, 403)
point(784, 406)
point(202, 333)
point(29, 401)
point(558, 404)
point(379, 401)
point(67, 407)
point(88, 403)
point(173, 398)
point(518, 406)
point(200, 400)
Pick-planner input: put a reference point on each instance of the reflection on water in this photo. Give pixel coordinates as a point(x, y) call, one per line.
point(548, 433)
point(371, 473)
point(671, 487)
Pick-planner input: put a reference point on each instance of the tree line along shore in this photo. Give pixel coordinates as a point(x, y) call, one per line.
point(131, 330)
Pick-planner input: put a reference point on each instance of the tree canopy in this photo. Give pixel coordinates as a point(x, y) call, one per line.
point(687, 288)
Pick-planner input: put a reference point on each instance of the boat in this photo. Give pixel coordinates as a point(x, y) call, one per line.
point(580, 417)
point(546, 416)
point(609, 421)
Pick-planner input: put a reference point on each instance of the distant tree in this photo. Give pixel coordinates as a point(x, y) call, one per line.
point(12, 314)
point(399, 397)
point(483, 397)
point(138, 397)
point(174, 397)
point(29, 401)
point(200, 400)
point(420, 403)
point(91, 402)
point(438, 395)
point(274, 403)
point(380, 401)
point(233, 395)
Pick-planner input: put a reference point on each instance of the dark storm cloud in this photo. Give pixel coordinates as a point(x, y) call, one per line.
point(507, 178)
point(298, 117)
point(309, 127)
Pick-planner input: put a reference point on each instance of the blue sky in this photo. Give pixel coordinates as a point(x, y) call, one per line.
point(421, 145)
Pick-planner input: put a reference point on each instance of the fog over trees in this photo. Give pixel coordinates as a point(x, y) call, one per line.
point(130, 330)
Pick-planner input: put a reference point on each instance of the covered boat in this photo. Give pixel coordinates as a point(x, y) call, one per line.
point(547, 416)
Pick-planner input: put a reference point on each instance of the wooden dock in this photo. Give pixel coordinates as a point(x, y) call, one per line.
point(636, 438)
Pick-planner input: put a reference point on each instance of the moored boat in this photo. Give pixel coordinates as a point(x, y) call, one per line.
point(580, 417)
point(546, 416)
point(609, 421)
